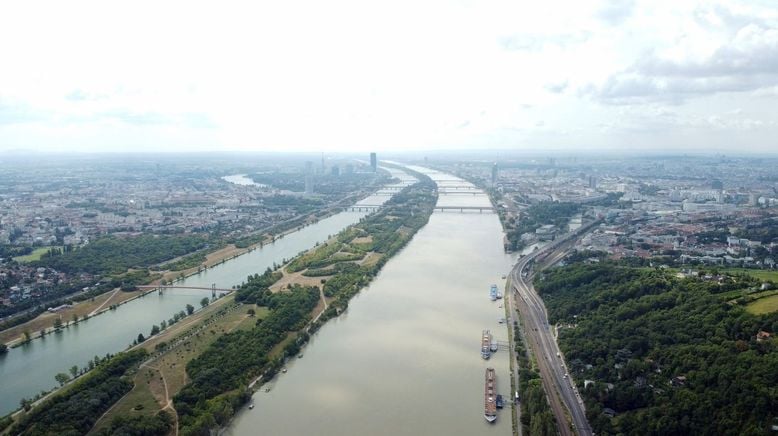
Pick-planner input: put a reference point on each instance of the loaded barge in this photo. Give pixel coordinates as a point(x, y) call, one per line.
point(490, 396)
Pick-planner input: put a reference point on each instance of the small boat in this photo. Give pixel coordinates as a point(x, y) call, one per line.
point(300, 356)
point(251, 406)
point(267, 389)
point(500, 402)
point(284, 370)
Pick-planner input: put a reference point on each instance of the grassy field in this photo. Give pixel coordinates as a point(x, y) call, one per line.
point(157, 382)
point(761, 274)
point(35, 255)
point(763, 305)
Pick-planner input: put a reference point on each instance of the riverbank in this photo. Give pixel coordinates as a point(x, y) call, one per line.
point(44, 323)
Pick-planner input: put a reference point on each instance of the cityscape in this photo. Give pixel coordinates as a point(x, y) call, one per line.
point(392, 219)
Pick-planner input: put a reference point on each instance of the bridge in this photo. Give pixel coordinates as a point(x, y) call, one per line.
point(470, 187)
point(161, 288)
point(396, 187)
point(374, 207)
point(460, 193)
point(464, 208)
point(364, 207)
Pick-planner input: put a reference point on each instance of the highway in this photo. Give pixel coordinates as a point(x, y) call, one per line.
point(561, 391)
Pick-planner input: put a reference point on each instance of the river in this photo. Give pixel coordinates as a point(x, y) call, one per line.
point(31, 368)
point(405, 358)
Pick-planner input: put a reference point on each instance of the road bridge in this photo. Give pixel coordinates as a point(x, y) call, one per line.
point(460, 193)
point(364, 207)
point(395, 187)
point(467, 187)
point(465, 208)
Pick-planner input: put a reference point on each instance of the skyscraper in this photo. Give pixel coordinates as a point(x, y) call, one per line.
point(309, 177)
point(373, 162)
point(494, 174)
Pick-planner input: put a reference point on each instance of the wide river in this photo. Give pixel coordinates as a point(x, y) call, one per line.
point(31, 368)
point(405, 358)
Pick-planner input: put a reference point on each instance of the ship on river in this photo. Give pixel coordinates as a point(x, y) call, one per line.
point(486, 344)
point(490, 396)
point(493, 293)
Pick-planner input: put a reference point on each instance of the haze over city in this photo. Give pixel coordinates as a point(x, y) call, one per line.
point(404, 218)
point(360, 76)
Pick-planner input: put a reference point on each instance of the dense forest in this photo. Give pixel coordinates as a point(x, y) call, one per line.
point(113, 255)
point(663, 355)
point(76, 410)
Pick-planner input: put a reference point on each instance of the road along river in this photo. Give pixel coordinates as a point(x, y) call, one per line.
point(31, 368)
point(405, 358)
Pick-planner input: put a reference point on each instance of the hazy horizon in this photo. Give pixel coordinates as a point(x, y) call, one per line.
point(353, 76)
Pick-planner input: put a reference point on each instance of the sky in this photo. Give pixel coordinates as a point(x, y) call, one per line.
point(364, 75)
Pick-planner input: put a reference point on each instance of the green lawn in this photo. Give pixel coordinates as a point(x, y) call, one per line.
point(763, 305)
point(35, 255)
point(761, 274)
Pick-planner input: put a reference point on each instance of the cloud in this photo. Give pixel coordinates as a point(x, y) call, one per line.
point(188, 119)
point(615, 12)
point(18, 113)
point(78, 95)
point(537, 42)
point(746, 62)
point(557, 87)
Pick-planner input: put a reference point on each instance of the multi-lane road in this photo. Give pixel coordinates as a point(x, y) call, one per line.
point(562, 394)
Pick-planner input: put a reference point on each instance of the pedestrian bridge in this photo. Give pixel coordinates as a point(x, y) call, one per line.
point(199, 288)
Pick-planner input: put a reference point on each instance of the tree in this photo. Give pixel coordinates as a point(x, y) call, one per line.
point(58, 323)
point(75, 318)
point(43, 332)
point(251, 312)
point(204, 302)
point(3, 348)
point(154, 329)
point(141, 338)
point(61, 378)
point(189, 309)
point(74, 371)
point(26, 336)
point(26, 404)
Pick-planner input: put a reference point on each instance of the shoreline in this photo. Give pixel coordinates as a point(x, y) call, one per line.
point(231, 252)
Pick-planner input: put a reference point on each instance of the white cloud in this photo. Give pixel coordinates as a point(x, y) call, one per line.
point(359, 75)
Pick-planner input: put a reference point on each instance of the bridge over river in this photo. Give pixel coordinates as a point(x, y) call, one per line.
point(374, 207)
